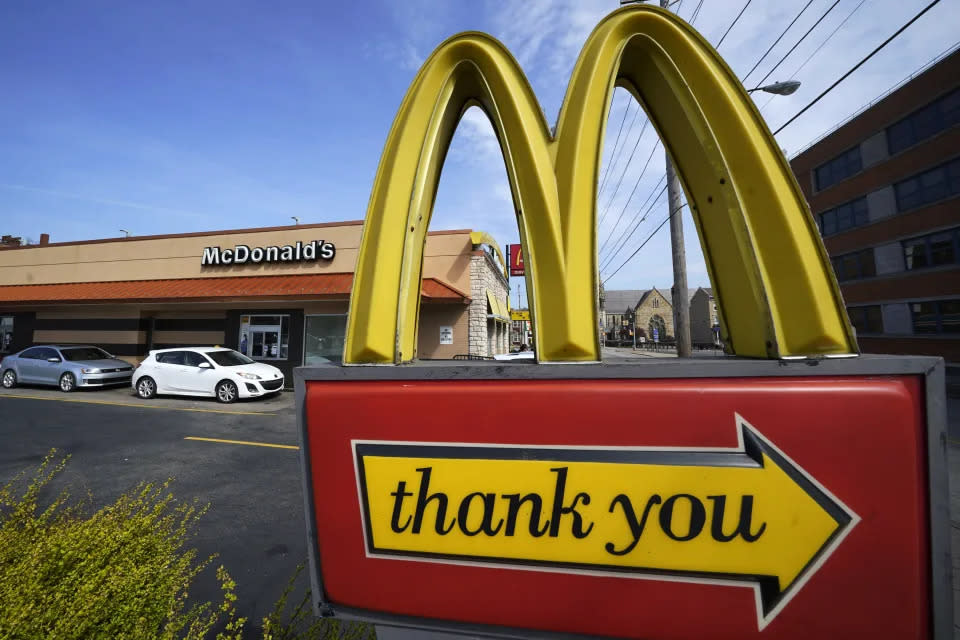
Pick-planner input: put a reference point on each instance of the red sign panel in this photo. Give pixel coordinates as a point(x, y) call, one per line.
point(516, 259)
point(711, 508)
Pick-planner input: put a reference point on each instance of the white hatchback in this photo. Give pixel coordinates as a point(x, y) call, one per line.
point(216, 372)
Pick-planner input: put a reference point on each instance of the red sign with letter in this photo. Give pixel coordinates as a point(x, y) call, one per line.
point(736, 508)
point(516, 259)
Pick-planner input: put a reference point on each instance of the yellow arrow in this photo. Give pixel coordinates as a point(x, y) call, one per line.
point(745, 515)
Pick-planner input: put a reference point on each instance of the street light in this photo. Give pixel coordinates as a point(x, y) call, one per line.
point(126, 234)
point(784, 88)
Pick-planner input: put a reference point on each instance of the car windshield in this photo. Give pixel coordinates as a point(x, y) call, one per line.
point(228, 358)
point(85, 353)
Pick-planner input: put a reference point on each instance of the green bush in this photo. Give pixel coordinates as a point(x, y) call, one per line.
point(124, 572)
point(303, 625)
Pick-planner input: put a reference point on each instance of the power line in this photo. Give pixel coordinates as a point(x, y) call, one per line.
point(777, 41)
point(797, 43)
point(610, 258)
point(613, 153)
point(625, 236)
point(627, 166)
point(633, 120)
point(696, 12)
point(693, 19)
point(665, 221)
point(735, 20)
point(627, 203)
point(817, 50)
point(856, 66)
point(633, 225)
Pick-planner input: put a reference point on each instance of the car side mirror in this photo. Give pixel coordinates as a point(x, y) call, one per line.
point(205, 365)
point(53, 359)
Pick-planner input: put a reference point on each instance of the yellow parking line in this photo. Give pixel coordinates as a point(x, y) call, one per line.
point(252, 444)
point(953, 441)
point(134, 404)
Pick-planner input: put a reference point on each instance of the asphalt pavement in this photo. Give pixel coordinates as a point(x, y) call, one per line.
point(255, 521)
point(242, 459)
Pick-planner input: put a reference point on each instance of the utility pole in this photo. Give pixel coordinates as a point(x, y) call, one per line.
point(681, 303)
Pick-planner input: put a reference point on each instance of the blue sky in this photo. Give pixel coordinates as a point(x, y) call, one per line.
point(186, 116)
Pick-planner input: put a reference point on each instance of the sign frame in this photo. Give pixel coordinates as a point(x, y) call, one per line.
point(930, 370)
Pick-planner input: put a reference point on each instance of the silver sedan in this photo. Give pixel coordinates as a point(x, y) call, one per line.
point(67, 367)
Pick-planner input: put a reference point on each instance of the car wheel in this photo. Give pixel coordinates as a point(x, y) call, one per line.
point(227, 392)
point(146, 387)
point(9, 380)
point(68, 382)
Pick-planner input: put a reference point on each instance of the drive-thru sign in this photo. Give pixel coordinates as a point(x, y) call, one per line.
point(800, 493)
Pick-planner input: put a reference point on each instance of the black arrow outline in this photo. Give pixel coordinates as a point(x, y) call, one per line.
point(752, 445)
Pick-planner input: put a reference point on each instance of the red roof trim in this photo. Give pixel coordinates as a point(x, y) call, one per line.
point(316, 286)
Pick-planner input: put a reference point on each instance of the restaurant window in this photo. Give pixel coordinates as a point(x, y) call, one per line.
point(868, 319)
point(846, 216)
point(856, 265)
point(942, 113)
point(930, 186)
point(6, 334)
point(843, 166)
point(936, 316)
point(932, 250)
point(265, 337)
point(323, 339)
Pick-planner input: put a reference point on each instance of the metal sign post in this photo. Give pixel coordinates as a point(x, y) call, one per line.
point(797, 493)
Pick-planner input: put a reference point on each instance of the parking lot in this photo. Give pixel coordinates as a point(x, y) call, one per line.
point(241, 458)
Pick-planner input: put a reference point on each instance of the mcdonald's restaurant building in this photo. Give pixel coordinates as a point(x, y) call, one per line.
point(279, 294)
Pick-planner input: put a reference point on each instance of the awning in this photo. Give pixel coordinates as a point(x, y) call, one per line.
point(316, 286)
point(497, 308)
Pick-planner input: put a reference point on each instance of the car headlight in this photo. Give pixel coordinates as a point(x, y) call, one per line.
point(90, 370)
point(248, 376)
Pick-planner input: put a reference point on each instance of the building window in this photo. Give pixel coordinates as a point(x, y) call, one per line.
point(930, 186)
point(942, 113)
point(323, 339)
point(656, 302)
point(265, 337)
point(937, 316)
point(856, 265)
point(932, 250)
point(6, 333)
point(843, 166)
point(658, 328)
point(847, 216)
point(867, 319)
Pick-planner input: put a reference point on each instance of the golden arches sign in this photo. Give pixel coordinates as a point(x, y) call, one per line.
point(777, 295)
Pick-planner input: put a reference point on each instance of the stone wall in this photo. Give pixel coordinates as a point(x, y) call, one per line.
point(486, 338)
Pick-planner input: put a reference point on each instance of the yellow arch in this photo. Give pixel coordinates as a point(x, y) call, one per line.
point(482, 237)
point(777, 295)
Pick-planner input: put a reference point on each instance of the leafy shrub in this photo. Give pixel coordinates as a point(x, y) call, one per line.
point(302, 625)
point(123, 572)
